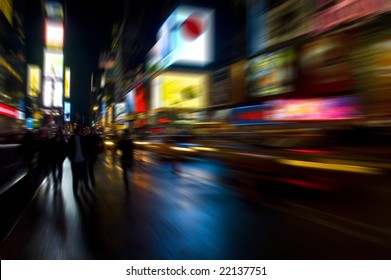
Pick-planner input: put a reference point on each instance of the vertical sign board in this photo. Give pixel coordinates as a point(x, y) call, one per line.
point(33, 80)
point(54, 34)
point(67, 83)
point(53, 79)
point(67, 111)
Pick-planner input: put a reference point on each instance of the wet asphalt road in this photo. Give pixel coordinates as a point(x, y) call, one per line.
point(205, 211)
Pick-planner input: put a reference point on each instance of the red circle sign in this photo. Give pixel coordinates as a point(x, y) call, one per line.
point(193, 27)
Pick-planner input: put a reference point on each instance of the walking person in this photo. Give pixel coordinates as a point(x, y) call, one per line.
point(77, 153)
point(58, 146)
point(125, 145)
point(95, 147)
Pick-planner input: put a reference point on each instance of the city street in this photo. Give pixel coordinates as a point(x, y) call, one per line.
point(204, 211)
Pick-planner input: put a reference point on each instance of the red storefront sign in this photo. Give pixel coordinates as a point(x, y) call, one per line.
point(141, 99)
point(8, 111)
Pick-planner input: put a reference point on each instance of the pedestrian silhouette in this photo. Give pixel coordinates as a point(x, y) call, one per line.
point(58, 147)
point(95, 147)
point(77, 153)
point(125, 145)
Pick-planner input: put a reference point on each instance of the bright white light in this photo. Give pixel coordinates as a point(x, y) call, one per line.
point(52, 93)
point(186, 37)
point(53, 66)
point(199, 51)
point(141, 142)
point(54, 34)
point(182, 149)
point(208, 149)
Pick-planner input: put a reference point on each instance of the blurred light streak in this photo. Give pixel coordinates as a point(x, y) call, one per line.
point(10, 69)
point(320, 152)
point(109, 143)
point(182, 149)
point(302, 183)
point(208, 149)
point(350, 162)
point(141, 142)
point(332, 166)
point(12, 182)
point(186, 144)
point(257, 155)
point(153, 146)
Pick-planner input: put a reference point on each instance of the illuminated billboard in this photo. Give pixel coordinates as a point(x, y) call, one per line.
point(179, 90)
point(141, 99)
point(54, 34)
point(249, 115)
point(33, 80)
point(53, 64)
point(54, 10)
point(103, 113)
point(8, 111)
point(336, 108)
point(67, 83)
point(272, 73)
point(186, 37)
point(29, 123)
point(52, 93)
point(120, 111)
point(109, 115)
point(67, 111)
point(53, 79)
point(130, 101)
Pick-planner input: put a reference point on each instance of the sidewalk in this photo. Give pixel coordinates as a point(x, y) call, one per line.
point(150, 220)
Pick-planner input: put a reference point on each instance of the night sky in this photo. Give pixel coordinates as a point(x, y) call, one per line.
point(88, 31)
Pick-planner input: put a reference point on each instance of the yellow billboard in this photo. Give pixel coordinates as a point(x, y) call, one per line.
point(67, 83)
point(33, 80)
point(180, 90)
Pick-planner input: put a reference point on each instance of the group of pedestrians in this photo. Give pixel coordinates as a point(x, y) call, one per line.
point(81, 148)
point(83, 151)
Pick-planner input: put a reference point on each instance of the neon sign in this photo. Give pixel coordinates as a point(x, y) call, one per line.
point(349, 10)
point(8, 111)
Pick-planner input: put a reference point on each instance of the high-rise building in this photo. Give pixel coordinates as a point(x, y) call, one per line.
point(12, 66)
point(53, 63)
